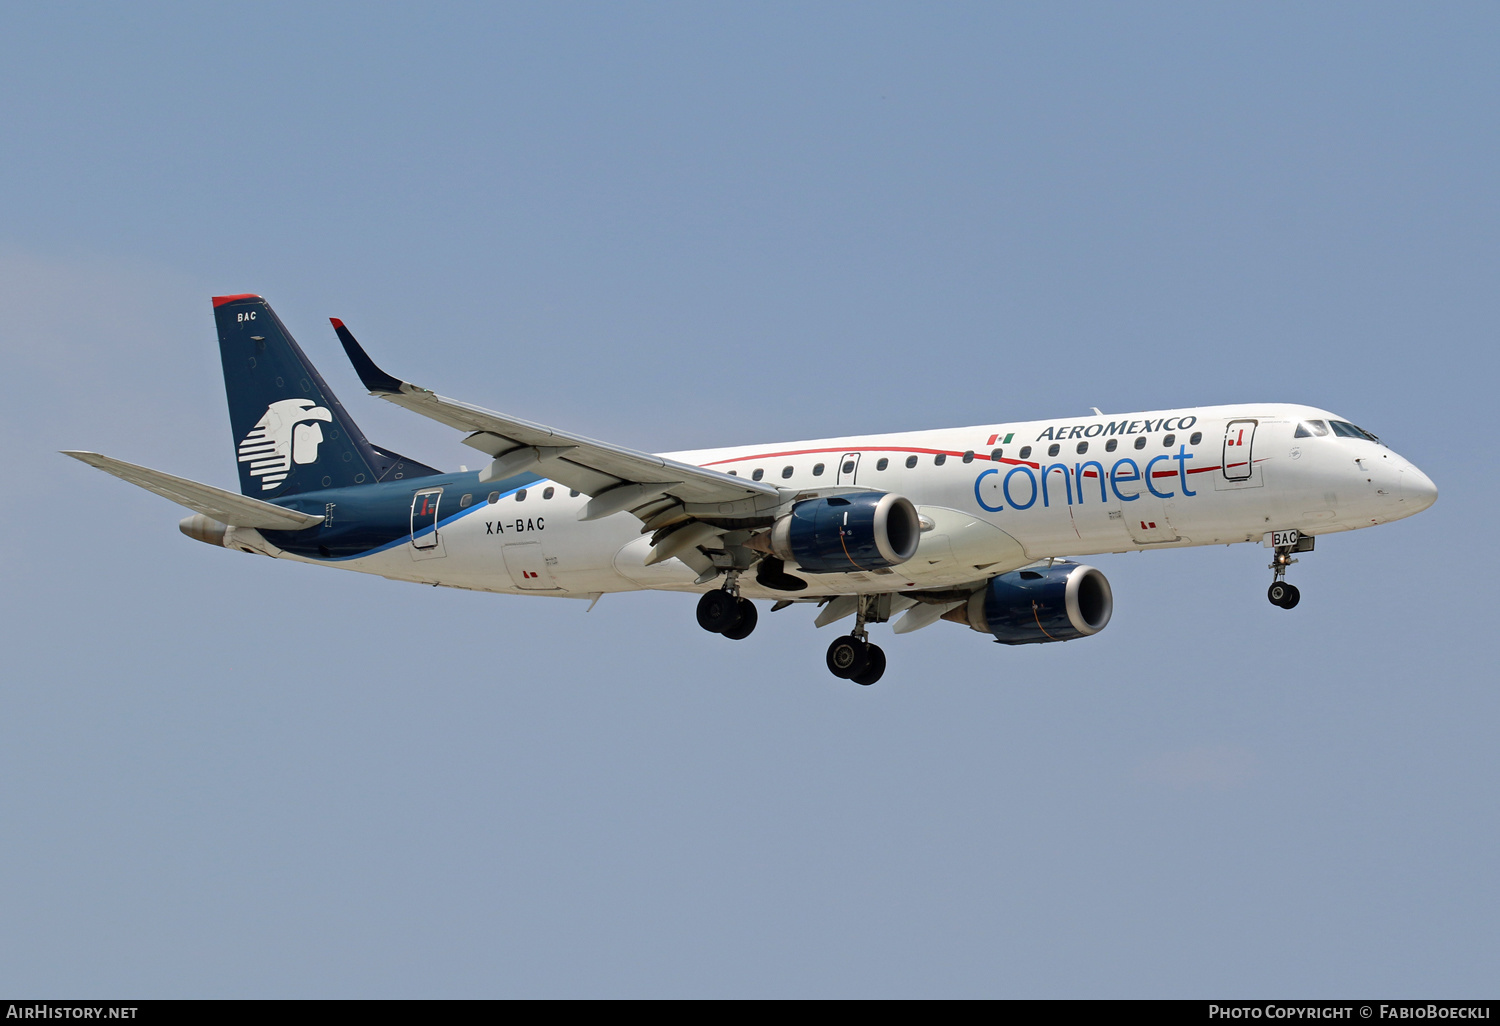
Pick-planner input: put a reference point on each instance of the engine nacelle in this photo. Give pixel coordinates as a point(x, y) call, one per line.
point(1042, 604)
point(848, 533)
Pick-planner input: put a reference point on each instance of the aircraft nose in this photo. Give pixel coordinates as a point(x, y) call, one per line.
point(1417, 490)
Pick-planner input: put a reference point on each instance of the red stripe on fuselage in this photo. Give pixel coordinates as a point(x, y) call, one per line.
point(937, 452)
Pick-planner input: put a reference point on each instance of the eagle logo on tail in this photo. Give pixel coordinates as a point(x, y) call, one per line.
point(287, 434)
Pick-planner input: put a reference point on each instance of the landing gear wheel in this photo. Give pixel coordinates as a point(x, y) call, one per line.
point(745, 624)
point(848, 656)
point(1284, 595)
point(718, 611)
point(874, 666)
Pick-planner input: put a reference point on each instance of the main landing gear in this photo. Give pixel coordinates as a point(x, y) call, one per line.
point(853, 657)
point(722, 611)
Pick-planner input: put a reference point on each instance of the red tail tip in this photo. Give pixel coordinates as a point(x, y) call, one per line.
point(335, 322)
point(221, 300)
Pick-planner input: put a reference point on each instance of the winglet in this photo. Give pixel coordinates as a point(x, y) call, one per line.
point(375, 379)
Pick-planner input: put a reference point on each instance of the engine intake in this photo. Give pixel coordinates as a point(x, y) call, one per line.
point(1037, 605)
point(848, 533)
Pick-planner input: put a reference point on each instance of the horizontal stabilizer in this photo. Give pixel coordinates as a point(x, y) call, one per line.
point(224, 506)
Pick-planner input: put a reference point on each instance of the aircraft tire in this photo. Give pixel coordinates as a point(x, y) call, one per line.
point(745, 624)
point(1277, 593)
point(1293, 596)
point(847, 656)
point(718, 611)
point(874, 667)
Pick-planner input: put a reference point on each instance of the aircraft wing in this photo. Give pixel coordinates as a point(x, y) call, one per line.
point(616, 477)
point(224, 506)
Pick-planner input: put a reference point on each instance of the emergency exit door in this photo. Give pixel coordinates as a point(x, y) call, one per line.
point(848, 468)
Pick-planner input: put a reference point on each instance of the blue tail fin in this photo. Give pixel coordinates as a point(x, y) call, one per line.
point(291, 433)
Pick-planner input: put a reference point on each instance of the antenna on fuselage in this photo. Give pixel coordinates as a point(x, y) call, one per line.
point(1097, 411)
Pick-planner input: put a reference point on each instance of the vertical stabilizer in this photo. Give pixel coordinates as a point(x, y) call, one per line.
point(291, 434)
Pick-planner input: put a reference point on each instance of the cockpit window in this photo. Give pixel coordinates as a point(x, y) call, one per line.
point(1344, 429)
point(1311, 428)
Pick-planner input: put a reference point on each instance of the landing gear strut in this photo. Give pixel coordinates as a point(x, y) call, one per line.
point(722, 611)
point(852, 657)
point(1281, 593)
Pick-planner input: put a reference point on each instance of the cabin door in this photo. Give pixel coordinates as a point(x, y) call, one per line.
point(1239, 438)
point(424, 518)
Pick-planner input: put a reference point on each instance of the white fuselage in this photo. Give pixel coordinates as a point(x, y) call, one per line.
point(993, 498)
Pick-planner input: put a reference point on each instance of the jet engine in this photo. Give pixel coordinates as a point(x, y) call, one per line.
point(848, 533)
point(1040, 604)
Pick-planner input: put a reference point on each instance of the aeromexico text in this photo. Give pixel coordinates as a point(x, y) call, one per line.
point(1121, 427)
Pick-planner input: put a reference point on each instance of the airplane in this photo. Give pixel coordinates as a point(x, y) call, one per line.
point(978, 526)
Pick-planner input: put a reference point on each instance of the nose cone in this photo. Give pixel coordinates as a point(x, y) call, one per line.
point(1417, 490)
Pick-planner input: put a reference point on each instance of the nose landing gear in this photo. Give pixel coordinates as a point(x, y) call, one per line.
point(1281, 593)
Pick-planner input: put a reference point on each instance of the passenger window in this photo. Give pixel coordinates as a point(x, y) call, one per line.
point(882, 463)
point(1169, 441)
point(734, 473)
point(786, 472)
point(1140, 443)
point(996, 455)
point(521, 495)
point(969, 456)
point(1083, 447)
point(1111, 445)
point(1025, 452)
point(1053, 449)
point(573, 493)
point(548, 493)
point(817, 470)
point(1197, 437)
point(848, 466)
point(465, 501)
point(495, 497)
point(758, 474)
point(940, 459)
point(911, 461)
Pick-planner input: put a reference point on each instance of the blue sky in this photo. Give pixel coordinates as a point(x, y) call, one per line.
point(676, 226)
